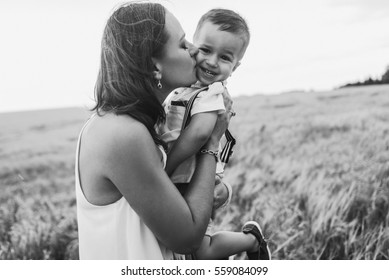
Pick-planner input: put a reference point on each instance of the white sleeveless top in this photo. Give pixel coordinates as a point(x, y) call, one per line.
point(114, 231)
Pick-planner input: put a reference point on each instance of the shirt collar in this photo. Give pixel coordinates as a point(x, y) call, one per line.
point(199, 85)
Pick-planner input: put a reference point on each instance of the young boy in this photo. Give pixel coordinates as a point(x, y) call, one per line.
point(222, 37)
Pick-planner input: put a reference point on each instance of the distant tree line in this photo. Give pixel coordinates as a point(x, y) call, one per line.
point(384, 80)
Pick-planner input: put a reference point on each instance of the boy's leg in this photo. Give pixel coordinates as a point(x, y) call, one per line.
point(223, 244)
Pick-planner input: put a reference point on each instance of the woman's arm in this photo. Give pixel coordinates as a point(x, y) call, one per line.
point(133, 165)
point(191, 139)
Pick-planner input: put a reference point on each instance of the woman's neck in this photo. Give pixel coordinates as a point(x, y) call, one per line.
point(162, 94)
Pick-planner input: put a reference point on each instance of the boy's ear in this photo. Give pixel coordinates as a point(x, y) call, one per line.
point(236, 66)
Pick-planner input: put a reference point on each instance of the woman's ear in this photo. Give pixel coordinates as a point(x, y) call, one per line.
point(157, 75)
point(157, 72)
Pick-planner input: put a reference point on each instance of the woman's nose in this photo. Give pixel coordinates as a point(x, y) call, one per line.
point(193, 51)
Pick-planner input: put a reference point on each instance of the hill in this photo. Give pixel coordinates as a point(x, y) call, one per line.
point(312, 168)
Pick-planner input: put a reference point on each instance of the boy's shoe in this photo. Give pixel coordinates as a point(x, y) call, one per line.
point(264, 252)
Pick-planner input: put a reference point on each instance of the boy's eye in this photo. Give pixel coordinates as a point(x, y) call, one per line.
point(204, 50)
point(227, 58)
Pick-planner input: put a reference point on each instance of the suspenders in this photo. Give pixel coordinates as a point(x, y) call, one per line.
point(227, 151)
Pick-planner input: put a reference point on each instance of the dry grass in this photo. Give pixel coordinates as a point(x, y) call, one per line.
point(311, 168)
point(37, 201)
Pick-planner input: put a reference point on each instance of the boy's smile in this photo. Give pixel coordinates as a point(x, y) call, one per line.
point(207, 72)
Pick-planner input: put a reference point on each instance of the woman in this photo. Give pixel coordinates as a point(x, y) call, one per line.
point(127, 207)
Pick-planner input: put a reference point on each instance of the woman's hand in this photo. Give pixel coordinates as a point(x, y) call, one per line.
point(221, 124)
point(227, 100)
point(220, 194)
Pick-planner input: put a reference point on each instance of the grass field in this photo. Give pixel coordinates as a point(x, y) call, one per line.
point(311, 168)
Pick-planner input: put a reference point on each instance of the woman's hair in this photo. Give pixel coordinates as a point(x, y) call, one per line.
point(134, 34)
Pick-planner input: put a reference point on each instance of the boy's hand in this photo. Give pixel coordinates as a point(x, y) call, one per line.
point(221, 123)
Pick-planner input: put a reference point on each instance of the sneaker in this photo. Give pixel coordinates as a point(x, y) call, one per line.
point(264, 252)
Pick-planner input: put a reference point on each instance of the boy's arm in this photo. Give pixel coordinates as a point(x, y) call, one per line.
point(191, 139)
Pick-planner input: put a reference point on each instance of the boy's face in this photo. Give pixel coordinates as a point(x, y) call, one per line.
point(219, 53)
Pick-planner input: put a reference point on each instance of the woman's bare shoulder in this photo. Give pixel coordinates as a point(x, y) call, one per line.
point(113, 127)
point(110, 133)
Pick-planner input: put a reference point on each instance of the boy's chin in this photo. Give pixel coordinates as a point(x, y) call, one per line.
point(204, 82)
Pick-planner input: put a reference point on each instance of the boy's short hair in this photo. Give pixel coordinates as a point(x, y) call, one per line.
point(229, 21)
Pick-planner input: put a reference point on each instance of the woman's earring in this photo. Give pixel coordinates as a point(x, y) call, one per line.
point(157, 75)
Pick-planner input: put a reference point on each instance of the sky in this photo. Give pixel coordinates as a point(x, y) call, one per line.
point(49, 50)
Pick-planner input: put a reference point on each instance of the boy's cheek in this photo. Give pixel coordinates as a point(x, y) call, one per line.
point(199, 57)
